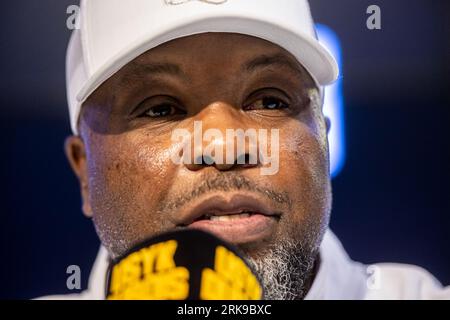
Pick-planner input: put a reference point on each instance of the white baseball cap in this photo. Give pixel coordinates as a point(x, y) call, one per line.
point(112, 33)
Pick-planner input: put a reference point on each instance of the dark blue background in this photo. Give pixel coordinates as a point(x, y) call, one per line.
point(391, 201)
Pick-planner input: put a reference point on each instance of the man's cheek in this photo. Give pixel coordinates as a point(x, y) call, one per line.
point(124, 209)
point(303, 164)
point(131, 181)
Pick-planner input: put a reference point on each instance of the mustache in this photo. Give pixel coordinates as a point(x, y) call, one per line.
point(225, 182)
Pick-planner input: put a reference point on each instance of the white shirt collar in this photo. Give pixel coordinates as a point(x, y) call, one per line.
point(338, 276)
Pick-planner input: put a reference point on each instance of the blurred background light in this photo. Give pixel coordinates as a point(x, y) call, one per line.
point(334, 102)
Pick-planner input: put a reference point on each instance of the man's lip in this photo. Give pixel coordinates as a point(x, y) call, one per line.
point(247, 230)
point(225, 204)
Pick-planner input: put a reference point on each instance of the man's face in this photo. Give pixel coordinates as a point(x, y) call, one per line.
point(132, 188)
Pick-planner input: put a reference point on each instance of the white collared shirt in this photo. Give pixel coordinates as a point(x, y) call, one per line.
point(338, 278)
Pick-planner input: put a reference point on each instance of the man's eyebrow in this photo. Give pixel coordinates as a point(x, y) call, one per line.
point(142, 70)
point(265, 61)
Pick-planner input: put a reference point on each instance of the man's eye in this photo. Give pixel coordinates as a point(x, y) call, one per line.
point(162, 110)
point(270, 103)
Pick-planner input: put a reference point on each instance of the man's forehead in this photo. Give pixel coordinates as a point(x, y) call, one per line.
point(176, 69)
point(186, 60)
point(240, 53)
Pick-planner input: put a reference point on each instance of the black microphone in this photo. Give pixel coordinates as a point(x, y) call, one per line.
point(182, 265)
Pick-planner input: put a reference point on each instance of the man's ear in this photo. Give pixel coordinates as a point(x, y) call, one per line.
point(328, 124)
point(76, 154)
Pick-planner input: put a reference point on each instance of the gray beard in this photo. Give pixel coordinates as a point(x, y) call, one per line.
point(285, 270)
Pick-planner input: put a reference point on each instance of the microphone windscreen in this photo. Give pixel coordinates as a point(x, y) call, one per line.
point(186, 264)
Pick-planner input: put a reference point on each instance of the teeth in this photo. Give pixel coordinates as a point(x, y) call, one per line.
point(229, 217)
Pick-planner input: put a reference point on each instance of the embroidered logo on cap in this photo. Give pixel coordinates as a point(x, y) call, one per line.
point(177, 2)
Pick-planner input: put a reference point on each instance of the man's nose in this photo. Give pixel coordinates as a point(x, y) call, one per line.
point(222, 139)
